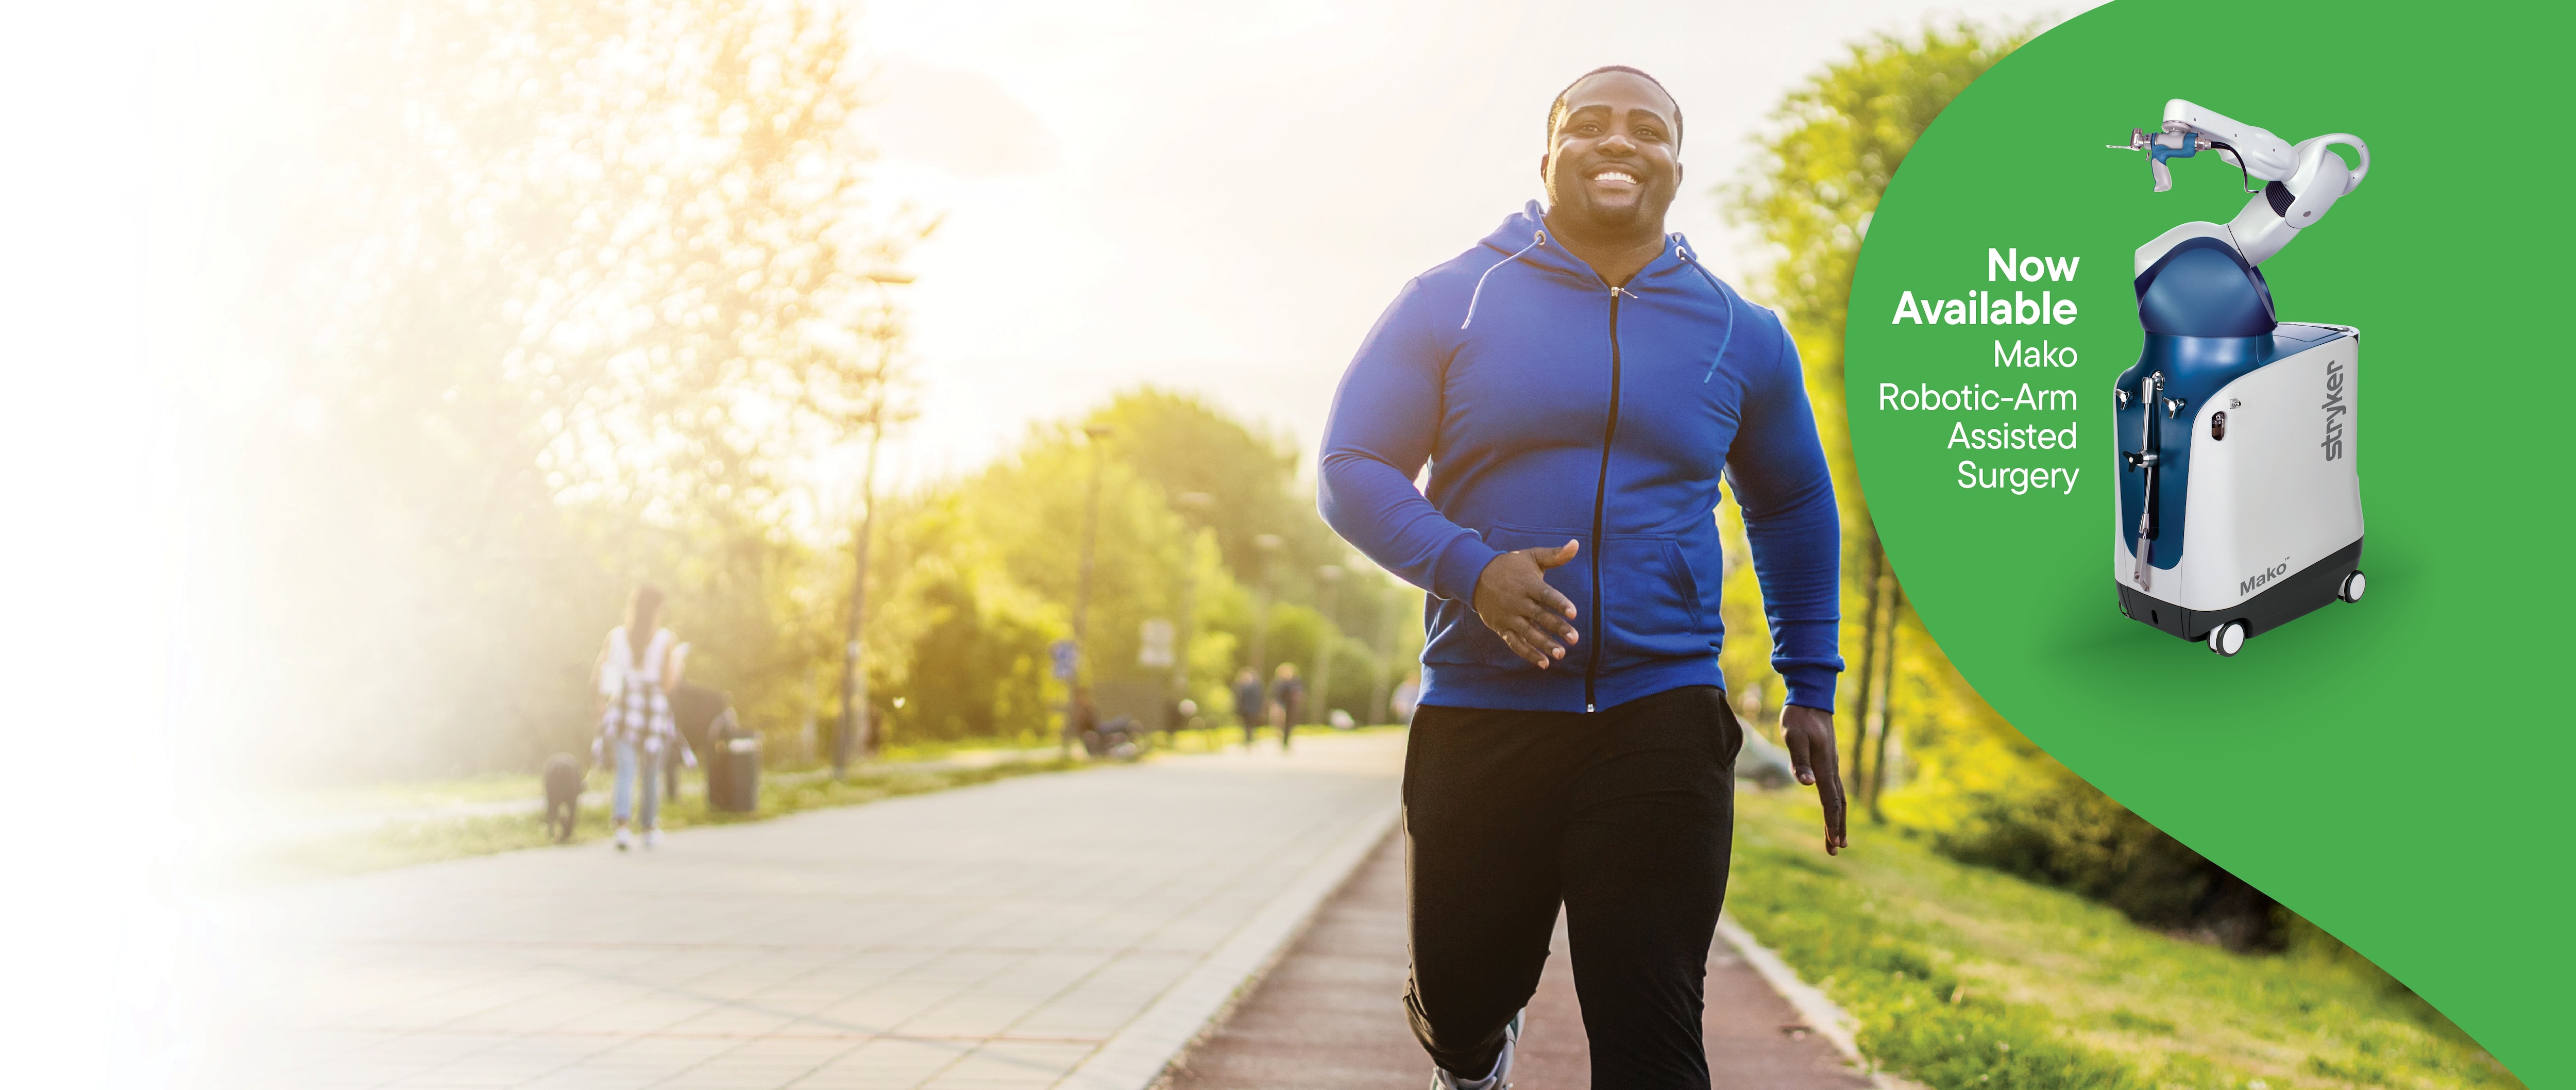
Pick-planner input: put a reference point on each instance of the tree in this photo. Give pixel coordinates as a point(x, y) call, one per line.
point(993, 557)
point(578, 287)
point(1812, 193)
point(1988, 795)
point(1810, 196)
point(1182, 445)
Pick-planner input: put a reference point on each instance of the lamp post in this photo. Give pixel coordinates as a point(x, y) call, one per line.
point(854, 678)
point(1090, 539)
point(1331, 574)
point(1378, 651)
point(1269, 545)
point(1194, 508)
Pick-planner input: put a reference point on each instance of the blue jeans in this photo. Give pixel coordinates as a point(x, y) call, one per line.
point(630, 758)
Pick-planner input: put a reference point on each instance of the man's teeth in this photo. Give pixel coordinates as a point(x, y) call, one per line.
point(1615, 176)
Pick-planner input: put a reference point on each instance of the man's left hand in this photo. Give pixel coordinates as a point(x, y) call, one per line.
point(1809, 736)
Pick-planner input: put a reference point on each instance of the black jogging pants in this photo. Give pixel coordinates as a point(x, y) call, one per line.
point(1624, 816)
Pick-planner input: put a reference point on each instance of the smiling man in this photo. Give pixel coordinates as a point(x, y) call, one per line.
point(1580, 386)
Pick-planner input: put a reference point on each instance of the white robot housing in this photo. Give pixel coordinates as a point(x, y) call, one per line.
point(2239, 505)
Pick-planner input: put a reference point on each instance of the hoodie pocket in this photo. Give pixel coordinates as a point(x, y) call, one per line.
point(1464, 639)
point(1650, 600)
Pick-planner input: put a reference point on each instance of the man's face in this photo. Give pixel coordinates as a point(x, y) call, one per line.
point(1613, 168)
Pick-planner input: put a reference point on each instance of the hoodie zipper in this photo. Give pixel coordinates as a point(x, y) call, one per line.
point(1600, 499)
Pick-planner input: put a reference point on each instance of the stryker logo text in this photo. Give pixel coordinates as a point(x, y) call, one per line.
point(2261, 578)
point(2335, 408)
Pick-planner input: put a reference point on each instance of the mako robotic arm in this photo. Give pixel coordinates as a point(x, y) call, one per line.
point(2303, 180)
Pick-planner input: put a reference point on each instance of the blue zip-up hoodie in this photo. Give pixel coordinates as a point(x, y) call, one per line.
point(1553, 406)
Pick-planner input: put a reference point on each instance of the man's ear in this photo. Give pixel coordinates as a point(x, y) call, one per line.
point(1543, 157)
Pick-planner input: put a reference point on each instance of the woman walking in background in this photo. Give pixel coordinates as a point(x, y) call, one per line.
point(637, 671)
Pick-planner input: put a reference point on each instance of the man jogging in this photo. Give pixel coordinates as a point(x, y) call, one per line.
point(1580, 386)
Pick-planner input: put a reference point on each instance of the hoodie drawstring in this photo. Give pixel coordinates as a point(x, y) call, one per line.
point(1540, 239)
point(1535, 243)
point(1730, 310)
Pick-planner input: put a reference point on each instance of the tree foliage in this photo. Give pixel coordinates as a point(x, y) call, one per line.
point(578, 287)
point(982, 572)
point(1840, 138)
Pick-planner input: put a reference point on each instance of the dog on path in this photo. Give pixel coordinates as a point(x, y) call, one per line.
point(563, 795)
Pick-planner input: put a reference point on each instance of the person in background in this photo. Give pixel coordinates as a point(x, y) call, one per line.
point(1081, 721)
point(1408, 693)
point(1288, 691)
point(1250, 705)
point(637, 670)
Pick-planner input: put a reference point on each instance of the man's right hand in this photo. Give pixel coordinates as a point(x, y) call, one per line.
point(1513, 599)
point(1809, 735)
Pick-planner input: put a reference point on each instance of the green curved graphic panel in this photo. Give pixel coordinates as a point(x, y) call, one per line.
point(2394, 768)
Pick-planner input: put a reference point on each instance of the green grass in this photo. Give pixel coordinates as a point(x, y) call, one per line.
point(1214, 739)
point(1968, 979)
point(900, 770)
point(1209, 739)
point(401, 844)
point(421, 794)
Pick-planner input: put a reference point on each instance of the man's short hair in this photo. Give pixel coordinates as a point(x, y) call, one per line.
point(1556, 109)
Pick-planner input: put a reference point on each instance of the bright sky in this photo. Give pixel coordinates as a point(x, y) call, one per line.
point(1222, 197)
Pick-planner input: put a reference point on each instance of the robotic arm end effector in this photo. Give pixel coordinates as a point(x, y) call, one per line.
point(2161, 146)
point(2303, 181)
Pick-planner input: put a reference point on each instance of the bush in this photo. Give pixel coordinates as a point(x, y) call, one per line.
point(2067, 833)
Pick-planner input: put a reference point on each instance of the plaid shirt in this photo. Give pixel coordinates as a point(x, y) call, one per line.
point(638, 710)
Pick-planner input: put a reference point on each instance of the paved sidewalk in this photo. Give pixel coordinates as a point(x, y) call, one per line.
point(1331, 1016)
point(1050, 930)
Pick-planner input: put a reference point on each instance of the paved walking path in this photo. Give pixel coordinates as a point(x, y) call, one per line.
point(1330, 1016)
point(1071, 930)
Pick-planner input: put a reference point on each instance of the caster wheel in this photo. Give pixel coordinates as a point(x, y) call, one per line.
point(2227, 639)
point(2352, 586)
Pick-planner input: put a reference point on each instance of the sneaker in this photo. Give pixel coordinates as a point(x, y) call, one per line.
point(625, 839)
point(653, 838)
point(1500, 1079)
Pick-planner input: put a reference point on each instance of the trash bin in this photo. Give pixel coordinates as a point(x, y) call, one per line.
point(694, 710)
point(733, 766)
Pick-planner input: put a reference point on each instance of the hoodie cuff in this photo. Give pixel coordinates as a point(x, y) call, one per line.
point(1454, 576)
point(1811, 687)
